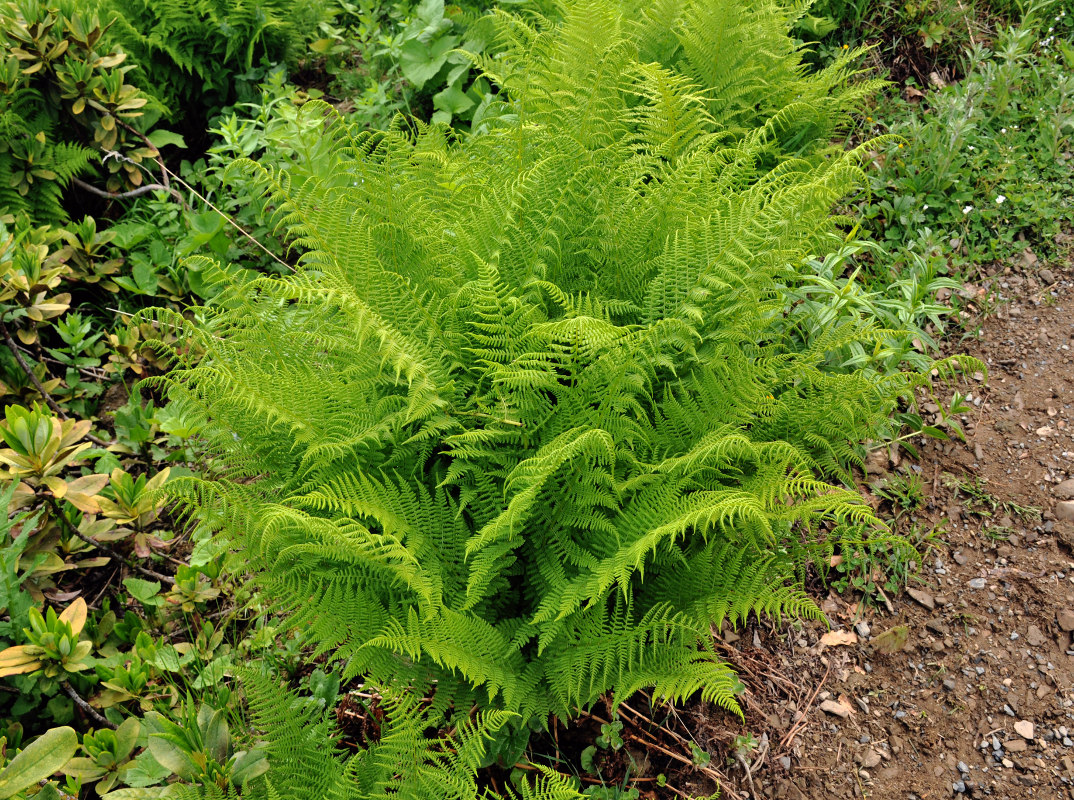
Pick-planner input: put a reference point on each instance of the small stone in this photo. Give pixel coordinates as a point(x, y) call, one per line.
point(1065, 618)
point(949, 684)
point(960, 559)
point(1034, 636)
point(958, 787)
point(924, 598)
point(977, 583)
point(1064, 510)
point(1064, 490)
point(1047, 276)
point(835, 708)
point(1015, 746)
point(962, 768)
point(1024, 728)
point(876, 462)
point(785, 762)
point(870, 758)
point(862, 629)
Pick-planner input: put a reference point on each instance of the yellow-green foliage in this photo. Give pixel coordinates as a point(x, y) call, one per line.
point(63, 94)
point(526, 421)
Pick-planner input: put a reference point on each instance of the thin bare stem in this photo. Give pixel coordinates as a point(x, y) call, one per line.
point(89, 710)
point(49, 400)
point(168, 173)
point(146, 189)
point(14, 348)
point(108, 549)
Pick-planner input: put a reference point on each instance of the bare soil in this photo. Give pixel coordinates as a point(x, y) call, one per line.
point(978, 700)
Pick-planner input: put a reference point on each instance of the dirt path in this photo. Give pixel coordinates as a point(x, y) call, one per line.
point(979, 700)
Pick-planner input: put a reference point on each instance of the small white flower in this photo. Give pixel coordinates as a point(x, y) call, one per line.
point(972, 147)
point(967, 209)
point(1000, 200)
point(926, 208)
point(1002, 130)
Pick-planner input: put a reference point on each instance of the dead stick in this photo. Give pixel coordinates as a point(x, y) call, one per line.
point(14, 348)
point(146, 189)
point(786, 740)
point(90, 711)
point(706, 771)
point(108, 549)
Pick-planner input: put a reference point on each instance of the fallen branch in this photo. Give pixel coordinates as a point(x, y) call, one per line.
point(89, 710)
point(49, 400)
point(149, 187)
point(107, 549)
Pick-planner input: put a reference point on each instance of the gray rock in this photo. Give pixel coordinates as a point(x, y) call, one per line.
point(835, 708)
point(977, 583)
point(1047, 276)
point(870, 758)
point(924, 598)
point(1064, 490)
point(1024, 728)
point(1034, 636)
point(1064, 510)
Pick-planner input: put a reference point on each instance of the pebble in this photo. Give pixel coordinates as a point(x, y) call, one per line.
point(1064, 490)
point(870, 758)
point(862, 629)
point(962, 768)
point(960, 559)
point(977, 583)
point(1034, 636)
point(1065, 618)
point(1064, 510)
point(924, 598)
point(835, 708)
point(1016, 746)
point(1024, 728)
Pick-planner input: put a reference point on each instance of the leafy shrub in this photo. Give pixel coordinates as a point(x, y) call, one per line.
point(63, 98)
point(983, 163)
point(194, 54)
point(552, 425)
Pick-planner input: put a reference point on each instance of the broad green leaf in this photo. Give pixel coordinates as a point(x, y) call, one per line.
point(46, 755)
point(162, 138)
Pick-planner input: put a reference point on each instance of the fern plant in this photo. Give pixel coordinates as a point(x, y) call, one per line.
point(193, 52)
point(528, 421)
point(404, 762)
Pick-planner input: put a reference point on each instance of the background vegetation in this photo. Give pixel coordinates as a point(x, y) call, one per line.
point(179, 156)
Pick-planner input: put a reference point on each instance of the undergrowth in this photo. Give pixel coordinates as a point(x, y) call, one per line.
point(509, 397)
